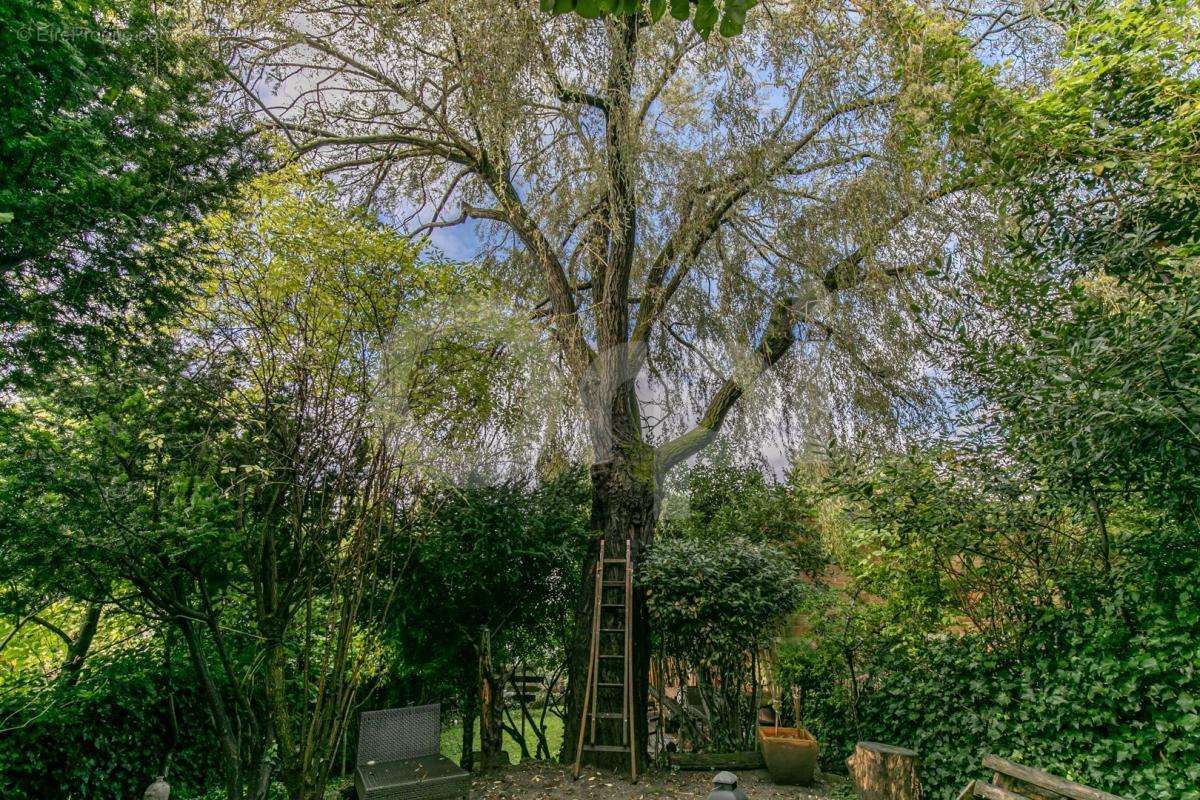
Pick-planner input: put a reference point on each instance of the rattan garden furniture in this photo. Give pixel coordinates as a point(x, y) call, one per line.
point(398, 757)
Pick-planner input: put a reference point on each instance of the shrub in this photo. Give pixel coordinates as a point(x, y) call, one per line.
point(815, 693)
point(106, 737)
point(714, 606)
point(501, 558)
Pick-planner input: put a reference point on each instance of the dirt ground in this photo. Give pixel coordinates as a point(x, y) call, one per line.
point(553, 782)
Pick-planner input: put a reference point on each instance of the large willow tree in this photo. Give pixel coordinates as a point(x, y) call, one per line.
point(677, 216)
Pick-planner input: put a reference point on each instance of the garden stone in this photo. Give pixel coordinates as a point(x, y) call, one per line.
point(725, 787)
point(159, 790)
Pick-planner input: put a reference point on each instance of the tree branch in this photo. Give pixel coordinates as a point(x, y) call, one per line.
point(50, 626)
point(776, 340)
point(844, 273)
point(322, 46)
point(774, 344)
point(682, 46)
point(426, 146)
point(669, 327)
point(467, 212)
point(582, 98)
point(577, 352)
point(686, 242)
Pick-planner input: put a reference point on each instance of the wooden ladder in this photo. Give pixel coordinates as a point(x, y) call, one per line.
point(616, 604)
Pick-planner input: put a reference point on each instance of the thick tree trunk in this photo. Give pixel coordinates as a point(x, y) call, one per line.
point(624, 479)
point(623, 508)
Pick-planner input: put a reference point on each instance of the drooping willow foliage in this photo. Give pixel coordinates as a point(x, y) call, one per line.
point(684, 212)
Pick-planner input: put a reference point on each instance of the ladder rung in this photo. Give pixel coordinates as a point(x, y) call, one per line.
point(610, 582)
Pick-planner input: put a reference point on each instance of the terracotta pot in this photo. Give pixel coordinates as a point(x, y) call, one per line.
point(790, 753)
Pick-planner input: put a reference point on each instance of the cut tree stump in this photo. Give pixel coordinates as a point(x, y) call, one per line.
point(884, 772)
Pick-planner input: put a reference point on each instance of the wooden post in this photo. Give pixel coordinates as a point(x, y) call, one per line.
point(884, 772)
point(588, 692)
point(491, 706)
point(630, 729)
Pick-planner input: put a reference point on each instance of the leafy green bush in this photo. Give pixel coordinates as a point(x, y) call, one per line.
point(1082, 363)
point(816, 693)
point(722, 502)
point(501, 558)
point(1085, 347)
point(106, 737)
point(714, 605)
point(716, 601)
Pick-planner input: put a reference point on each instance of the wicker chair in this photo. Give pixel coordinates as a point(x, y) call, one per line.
point(398, 757)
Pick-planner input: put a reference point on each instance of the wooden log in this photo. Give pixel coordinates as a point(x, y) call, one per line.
point(491, 706)
point(741, 759)
point(1039, 784)
point(990, 792)
point(884, 772)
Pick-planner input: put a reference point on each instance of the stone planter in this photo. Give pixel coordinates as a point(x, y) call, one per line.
point(790, 753)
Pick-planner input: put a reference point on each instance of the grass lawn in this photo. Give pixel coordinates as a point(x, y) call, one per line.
point(452, 739)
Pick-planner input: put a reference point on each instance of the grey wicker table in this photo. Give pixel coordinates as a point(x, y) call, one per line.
point(398, 757)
